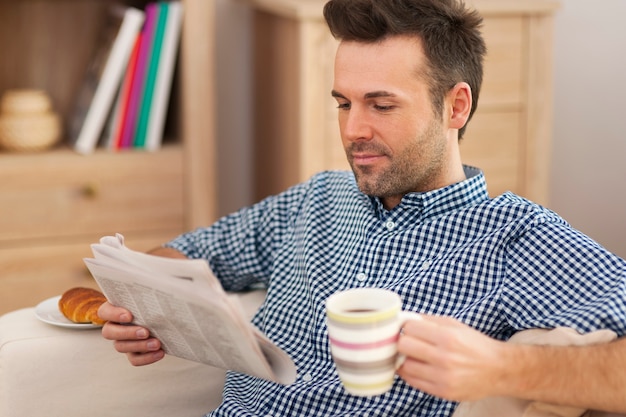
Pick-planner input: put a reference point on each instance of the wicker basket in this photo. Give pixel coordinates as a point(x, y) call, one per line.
point(25, 101)
point(27, 123)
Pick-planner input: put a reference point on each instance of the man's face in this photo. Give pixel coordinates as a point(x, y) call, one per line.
point(393, 139)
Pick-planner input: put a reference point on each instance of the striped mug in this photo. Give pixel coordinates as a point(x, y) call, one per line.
point(363, 329)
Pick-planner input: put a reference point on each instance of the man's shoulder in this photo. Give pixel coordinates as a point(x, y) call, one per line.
point(514, 201)
point(511, 205)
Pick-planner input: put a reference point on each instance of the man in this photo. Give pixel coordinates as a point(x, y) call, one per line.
point(411, 218)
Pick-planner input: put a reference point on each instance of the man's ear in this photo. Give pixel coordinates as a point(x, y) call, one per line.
point(459, 101)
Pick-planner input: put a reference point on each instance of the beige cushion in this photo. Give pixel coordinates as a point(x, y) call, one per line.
point(50, 371)
point(57, 372)
point(513, 407)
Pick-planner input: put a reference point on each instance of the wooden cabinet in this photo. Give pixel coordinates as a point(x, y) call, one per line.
point(53, 204)
point(296, 122)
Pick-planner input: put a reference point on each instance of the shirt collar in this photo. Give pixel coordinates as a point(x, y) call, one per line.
point(470, 191)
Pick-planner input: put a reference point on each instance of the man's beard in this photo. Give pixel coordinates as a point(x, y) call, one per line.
point(409, 171)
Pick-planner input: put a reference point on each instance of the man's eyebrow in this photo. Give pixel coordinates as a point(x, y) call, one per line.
point(373, 94)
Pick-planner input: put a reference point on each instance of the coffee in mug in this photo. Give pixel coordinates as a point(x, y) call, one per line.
point(363, 329)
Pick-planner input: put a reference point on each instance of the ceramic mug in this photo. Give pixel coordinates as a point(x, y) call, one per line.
point(363, 329)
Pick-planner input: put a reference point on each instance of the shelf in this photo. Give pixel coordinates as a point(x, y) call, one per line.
point(56, 203)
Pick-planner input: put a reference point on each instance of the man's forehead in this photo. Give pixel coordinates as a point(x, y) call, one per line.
point(375, 67)
point(398, 52)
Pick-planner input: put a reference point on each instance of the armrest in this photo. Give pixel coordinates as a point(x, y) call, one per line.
point(52, 371)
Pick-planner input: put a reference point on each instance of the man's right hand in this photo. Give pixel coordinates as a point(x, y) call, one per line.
point(134, 341)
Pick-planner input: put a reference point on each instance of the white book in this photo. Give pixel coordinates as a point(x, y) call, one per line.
point(163, 83)
point(103, 78)
point(183, 305)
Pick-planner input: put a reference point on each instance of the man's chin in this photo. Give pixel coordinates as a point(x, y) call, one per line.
point(368, 180)
point(367, 187)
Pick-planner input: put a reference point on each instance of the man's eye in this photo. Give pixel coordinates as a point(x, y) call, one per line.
point(343, 106)
point(383, 108)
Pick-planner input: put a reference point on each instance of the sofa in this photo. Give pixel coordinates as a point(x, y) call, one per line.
point(58, 372)
point(52, 371)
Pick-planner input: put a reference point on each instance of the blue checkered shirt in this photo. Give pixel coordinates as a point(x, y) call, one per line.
point(499, 265)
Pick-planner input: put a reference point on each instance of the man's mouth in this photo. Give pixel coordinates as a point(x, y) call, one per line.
point(364, 154)
point(366, 158)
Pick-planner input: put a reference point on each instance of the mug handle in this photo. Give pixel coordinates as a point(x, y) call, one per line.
point(404, 317)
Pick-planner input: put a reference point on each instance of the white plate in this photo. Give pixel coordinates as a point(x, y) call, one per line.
point(48, 312)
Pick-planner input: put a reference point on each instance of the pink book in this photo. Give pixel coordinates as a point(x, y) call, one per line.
point(125, 96)
point(143, 58)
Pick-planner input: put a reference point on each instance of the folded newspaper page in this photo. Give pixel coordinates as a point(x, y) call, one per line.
point(183, 305)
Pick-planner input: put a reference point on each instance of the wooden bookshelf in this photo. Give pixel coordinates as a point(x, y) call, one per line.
point(55, 203)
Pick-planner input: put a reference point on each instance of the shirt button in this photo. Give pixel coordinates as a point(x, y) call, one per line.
point(425, 265)
point(307, 377)
point(390, 225)
point(361, 276)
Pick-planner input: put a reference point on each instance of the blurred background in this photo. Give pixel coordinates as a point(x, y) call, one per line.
point(589, 153)
point(589, 142)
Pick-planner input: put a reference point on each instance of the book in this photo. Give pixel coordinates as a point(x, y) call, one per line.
point(164, 75)
point(137, 85)
point(183, 304)
point(116, 121)
point(151, 71)
point(103, 77)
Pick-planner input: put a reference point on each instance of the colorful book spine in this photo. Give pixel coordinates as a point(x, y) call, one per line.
point(165, 72)
point(103, 79)
point(121, 108)
point(153, 66)
point(145, 45)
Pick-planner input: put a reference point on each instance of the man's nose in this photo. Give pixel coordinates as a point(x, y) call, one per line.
point(356, 125)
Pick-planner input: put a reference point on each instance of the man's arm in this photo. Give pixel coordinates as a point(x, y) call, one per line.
point(451, 360)
point(167, 252)
point(134, 341)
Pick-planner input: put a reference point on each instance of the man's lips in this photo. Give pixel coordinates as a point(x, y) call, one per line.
point(366, 158)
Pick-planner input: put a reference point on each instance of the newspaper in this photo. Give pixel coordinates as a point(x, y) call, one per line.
point(183, 305)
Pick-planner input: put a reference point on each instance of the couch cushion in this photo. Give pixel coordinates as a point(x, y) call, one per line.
point(52, 371)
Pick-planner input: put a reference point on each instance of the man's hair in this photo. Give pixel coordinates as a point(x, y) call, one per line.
point(449, 33)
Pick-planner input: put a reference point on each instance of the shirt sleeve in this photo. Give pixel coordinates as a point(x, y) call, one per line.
point(240, 247)
point(557, 276)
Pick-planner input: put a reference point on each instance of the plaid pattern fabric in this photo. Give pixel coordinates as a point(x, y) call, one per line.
point(499, 265)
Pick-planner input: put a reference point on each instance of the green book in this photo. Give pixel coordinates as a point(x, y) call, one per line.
point(146, 102)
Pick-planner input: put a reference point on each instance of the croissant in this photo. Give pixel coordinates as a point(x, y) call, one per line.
point(80, 305)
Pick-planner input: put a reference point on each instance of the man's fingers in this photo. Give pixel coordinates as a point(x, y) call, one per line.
point(135, 341)
point(435, 330)
point(115, 331)
point(422, 348)
point(109, 312)
point(146, 358)
point(137, 346)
